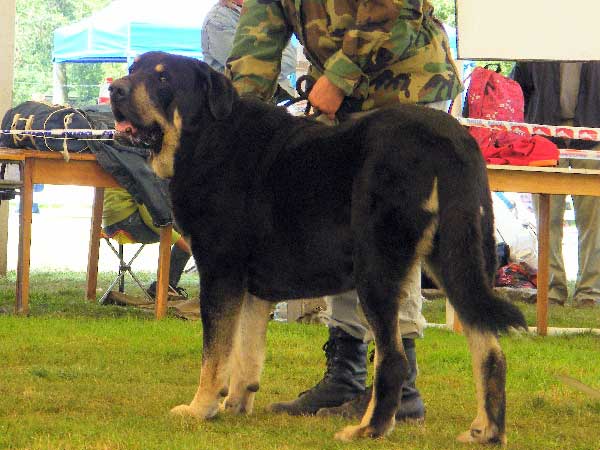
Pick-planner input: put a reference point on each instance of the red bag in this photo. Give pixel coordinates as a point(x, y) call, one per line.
point(516, 275)
point(492, 96)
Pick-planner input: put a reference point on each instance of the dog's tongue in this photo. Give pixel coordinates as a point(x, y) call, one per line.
point(125, 127)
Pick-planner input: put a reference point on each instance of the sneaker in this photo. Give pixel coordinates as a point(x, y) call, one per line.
point(177, 293)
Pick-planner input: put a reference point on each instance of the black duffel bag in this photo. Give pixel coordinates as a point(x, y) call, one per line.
point(41, 116)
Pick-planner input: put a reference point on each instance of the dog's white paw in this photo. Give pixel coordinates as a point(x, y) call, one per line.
point(197, 413)
point(353, 432)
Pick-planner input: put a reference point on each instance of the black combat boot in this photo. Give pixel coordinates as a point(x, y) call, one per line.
point(344, 377)
point(411, 407)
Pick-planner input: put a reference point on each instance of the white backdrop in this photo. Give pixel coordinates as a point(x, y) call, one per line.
point(528, 29)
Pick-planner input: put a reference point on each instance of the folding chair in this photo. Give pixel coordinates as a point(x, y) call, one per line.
point(123, 238)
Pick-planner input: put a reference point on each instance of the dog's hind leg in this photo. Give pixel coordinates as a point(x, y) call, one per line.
point(489, 371)
point(248, 355)
point(220, 306)
point(462, 261)
point(391, 364)
point(392, 232)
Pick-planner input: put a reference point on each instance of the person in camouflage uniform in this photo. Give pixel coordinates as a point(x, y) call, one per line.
point(363, 54)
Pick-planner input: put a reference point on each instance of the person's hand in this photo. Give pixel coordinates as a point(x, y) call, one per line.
point(326, 97)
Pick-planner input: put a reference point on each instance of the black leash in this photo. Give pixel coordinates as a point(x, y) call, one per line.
point(304, 85)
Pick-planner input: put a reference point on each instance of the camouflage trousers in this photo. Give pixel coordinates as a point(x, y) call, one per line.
point(344, 311)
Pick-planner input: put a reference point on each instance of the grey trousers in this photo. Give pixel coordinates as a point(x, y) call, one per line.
point(344, 311)
point(587, 221)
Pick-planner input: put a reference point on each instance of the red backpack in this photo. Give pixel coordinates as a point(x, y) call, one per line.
point(492, 96)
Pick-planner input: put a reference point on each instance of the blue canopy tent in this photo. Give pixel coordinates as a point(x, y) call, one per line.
point(127, 28)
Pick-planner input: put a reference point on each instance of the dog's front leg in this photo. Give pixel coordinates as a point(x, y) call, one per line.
point(220, 305)
point(248, 355)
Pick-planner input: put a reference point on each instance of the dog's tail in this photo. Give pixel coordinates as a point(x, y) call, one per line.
point(465, 244)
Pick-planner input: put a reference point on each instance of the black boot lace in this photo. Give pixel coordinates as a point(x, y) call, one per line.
point(329, 348)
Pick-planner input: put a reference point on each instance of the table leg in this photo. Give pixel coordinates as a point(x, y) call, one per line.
point(452, 320)
point(94, 246)
point(162, 276)
point(543, 275)
point(23, 264)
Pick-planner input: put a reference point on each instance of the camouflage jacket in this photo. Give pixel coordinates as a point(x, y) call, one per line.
point(378, 52)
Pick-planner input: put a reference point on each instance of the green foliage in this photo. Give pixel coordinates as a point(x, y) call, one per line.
point(445, 11)
point(36, 21)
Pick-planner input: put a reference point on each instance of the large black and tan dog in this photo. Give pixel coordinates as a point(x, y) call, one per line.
point(279, 207)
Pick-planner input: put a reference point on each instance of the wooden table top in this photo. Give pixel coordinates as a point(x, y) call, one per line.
point(20, 154)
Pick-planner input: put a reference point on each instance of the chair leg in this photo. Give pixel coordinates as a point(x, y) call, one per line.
point(139, 283)
point(122, 269)
point(102, 299)
point(127, 269)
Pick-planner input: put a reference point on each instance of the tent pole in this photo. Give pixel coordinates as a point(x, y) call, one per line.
point(7, 62)
point(59, 83)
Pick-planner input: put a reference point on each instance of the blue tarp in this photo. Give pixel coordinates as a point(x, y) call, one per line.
point(127, 28)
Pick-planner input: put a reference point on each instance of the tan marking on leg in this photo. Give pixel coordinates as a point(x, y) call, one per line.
point(248, 355)
point(365, 429)
point(215, 372)
point(366, 419)
point(482, 429)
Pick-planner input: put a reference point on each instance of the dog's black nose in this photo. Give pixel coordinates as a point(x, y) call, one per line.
point(119, 90)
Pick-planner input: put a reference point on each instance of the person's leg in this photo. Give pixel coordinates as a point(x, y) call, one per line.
point(179, 259)
point(587, 218)
point(411, 324)
point(557, 291)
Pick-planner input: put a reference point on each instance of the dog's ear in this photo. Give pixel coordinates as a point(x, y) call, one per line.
point(220, 93)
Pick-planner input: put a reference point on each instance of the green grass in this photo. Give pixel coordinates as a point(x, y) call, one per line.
point(567, 316)
point(75, 375)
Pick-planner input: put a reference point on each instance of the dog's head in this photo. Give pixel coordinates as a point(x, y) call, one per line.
point(165, 95)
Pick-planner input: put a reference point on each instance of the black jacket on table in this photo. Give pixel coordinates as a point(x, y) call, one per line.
point(540, 81)
point(128, 166)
